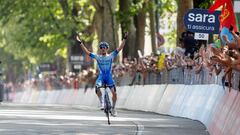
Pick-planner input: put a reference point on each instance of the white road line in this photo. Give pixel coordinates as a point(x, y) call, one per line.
point(59, 115)
point(140, 128)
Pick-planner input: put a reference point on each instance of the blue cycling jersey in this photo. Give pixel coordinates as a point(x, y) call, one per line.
point(104, 62)
point(105, 68)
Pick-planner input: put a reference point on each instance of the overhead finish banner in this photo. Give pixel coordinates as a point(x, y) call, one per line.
point(201, 21)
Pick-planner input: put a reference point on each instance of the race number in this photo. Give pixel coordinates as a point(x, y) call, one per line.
point(201, 36)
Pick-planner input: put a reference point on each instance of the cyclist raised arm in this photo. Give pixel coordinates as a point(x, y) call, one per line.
point(123, 42)
point(104, 62)
point(88, 52)
point(82, 46)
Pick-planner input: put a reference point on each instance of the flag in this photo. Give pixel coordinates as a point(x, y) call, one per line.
point(227, 17)
point(216, 5)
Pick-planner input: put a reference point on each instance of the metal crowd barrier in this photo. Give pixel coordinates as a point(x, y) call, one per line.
point(181, 76)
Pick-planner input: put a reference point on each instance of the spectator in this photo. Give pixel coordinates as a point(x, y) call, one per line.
point(189, 43)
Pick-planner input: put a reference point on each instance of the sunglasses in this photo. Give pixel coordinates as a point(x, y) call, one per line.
point(103, 47)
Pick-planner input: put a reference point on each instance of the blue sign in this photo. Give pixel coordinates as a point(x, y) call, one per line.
point(201, 21)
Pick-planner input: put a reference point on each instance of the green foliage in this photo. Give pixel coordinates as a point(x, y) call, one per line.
point(125, 16)
point(167, 10)
point(166, 7)
point(41, 26)
point(171, 39)
point(206, 4)
point(36, 31)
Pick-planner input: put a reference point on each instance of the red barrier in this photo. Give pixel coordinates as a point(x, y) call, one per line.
point(226, 121)
point(229, 119)
point(234, 130)
point(216, 119)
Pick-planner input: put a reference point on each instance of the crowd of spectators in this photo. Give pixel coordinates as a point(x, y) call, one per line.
point(215, 58)
point(189, 55)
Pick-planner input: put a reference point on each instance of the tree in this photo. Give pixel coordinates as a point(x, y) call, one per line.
point(105, 21)
point(125, 17)
point(202, 4)
point(42, 31)
point(132, 17)
point(153, 25)
point(183, 7)
point(140, 22)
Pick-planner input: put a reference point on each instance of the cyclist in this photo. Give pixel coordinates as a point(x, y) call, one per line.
point(104, 62)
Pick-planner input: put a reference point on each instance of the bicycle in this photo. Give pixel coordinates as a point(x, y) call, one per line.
point(107, 104)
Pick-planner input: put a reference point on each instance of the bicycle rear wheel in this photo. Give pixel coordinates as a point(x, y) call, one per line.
point(107, 114)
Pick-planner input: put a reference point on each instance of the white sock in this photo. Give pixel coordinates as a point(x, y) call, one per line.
point(114, 105)
point(100, 99)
